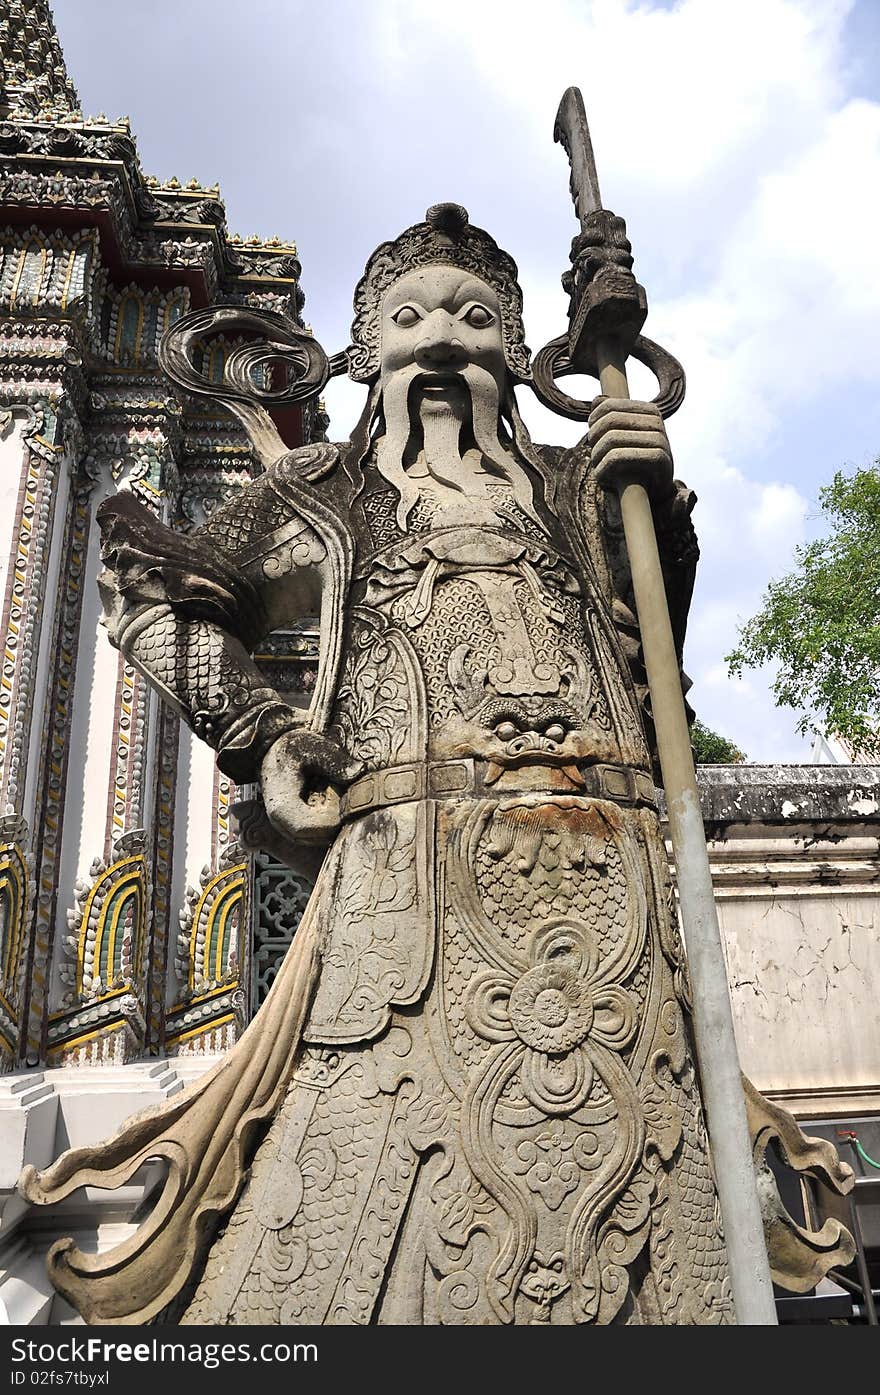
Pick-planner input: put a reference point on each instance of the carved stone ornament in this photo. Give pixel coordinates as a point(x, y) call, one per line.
point(799, 1257)
point(469, 1096)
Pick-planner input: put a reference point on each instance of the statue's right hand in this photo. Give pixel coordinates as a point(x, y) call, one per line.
point(628, 445)
point(300, 775)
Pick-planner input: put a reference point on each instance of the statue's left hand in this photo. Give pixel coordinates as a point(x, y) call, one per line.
point(628, 445)
point(298, 775)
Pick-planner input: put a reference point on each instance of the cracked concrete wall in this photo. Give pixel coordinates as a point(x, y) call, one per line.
point(795, 853)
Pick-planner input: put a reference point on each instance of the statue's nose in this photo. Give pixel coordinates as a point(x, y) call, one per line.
point(439, 344)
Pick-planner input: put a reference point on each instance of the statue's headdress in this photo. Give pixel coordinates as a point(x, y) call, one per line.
point(447, 237)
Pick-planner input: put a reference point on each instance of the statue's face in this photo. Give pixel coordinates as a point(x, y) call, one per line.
point(437, 322)
point(444, 385)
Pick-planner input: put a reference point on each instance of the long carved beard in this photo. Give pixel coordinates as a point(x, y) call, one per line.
point(442, 445)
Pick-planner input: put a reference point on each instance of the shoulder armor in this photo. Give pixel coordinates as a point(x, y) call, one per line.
point(259, 509)
point(245, 518)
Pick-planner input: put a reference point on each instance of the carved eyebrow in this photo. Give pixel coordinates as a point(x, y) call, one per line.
point(409, 304)
point(474, 291)
point(478, 301)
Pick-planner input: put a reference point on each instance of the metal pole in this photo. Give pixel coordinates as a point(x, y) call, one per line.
point(856, 1228)
point(861, 1258)
point(713, 1021)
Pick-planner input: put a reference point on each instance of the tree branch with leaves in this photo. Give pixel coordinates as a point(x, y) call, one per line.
point(821, 623)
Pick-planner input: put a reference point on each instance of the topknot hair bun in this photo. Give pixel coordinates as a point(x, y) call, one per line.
point(448, 218)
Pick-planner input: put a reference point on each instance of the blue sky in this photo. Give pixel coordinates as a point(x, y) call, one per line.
point(740, 139)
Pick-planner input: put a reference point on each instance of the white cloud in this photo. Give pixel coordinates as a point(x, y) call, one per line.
point(776, 524)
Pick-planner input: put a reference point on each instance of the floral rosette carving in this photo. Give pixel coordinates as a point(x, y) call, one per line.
point(557, 1023)
point(558, 1018)
point(558, 1011)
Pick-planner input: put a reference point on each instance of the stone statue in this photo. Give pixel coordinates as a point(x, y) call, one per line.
point(470, 1097)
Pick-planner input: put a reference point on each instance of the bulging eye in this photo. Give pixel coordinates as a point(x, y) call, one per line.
point(479, 317)
point(406, 316)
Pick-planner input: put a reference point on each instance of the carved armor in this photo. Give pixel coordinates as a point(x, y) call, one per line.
point(495, 1090)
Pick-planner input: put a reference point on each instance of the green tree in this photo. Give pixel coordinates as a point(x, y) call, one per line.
point(821, 623)
point(712, 749)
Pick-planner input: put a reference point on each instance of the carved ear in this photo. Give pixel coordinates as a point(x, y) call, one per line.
point(273, 342)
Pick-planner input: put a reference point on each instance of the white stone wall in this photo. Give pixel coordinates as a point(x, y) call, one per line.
point(795, 854)
point(91, 740)
point(42, 1114)
point(37, 458)
point(801, 924)
point(32, 538)
point(44, 655)
point(12, 453)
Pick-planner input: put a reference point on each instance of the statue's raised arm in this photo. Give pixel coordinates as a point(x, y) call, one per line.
point(188, 609)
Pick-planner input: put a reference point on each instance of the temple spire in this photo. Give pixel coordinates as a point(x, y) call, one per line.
point(33, 78)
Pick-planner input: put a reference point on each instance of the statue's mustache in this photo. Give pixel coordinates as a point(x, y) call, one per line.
point(416, 376)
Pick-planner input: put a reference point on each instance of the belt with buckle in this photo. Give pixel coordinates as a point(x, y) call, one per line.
point(450, 779)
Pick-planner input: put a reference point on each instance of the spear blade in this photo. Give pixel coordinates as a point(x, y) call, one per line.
point(606, 302)
point(573, 134)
